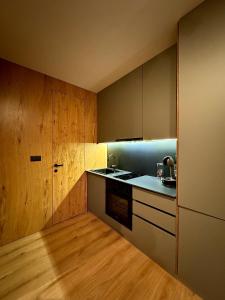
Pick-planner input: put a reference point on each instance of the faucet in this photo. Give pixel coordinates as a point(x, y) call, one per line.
point(112, 156)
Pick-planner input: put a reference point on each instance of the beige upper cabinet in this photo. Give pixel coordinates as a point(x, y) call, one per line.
point(202, 109)
point(120, 109)
point(142, 104)
point(159, 95)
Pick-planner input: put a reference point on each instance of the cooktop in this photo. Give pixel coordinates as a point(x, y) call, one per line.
point(128, 176)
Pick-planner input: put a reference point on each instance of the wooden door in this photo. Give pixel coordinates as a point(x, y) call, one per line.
point(25, 130)
point(69, 189)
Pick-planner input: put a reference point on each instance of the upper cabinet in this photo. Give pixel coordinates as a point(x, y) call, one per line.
point(159, 95)
point(202, 109)
point(120, 109)
point(142, 104)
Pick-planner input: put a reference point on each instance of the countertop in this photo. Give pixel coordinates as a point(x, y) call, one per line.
point(146, 182)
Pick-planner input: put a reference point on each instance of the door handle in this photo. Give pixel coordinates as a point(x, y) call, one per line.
point(58, 165)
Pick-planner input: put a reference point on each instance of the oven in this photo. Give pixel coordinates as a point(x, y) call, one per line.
point(119, 202)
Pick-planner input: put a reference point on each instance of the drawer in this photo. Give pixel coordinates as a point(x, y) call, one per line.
point(155, 216)
point(162, 202)
point(156, 243)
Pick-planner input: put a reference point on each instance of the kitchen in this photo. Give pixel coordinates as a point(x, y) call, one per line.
point(112, 187)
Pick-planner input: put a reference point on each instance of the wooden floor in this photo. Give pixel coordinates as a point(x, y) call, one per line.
point(83, 258)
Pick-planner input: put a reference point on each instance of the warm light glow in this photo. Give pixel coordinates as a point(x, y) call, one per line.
point(144, 141)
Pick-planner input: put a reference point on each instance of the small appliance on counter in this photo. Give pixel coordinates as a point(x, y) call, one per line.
point(171, 180)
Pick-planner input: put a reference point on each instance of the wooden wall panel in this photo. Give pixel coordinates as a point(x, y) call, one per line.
point(90, 117)
point(95, 154)
point(25, 129)
point(69, 195)
point(40, 115)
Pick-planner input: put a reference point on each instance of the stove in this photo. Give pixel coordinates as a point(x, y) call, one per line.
point(128, 176)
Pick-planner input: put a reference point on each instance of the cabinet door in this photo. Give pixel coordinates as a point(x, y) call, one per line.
point(96, 195)
point(120, 109)
point(202, 109)
point(201, 255)
point(96, 204)
point(159, 96)
point(156, 243)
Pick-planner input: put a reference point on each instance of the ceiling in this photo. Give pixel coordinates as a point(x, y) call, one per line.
point(89, 43)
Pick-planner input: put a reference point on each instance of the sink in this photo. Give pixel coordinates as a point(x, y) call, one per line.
point(106, 171)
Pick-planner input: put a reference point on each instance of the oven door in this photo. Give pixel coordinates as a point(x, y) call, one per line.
point(119, 202)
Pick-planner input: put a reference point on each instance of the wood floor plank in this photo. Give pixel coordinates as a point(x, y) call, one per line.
point(39, 253)
point(83, 258)
point(18, 244)
point(59, 238)
point(47, 267)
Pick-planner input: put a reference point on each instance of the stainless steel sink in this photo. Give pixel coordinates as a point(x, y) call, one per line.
point(106, 171)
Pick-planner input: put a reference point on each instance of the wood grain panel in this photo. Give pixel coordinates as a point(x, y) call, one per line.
point(69, 187)
point(95, 154)
point(25, 129)
point(90, 117)
point(83, 258)
point(28, 101)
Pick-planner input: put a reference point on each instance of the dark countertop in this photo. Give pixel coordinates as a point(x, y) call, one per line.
point(153, 184)
point(146, 182)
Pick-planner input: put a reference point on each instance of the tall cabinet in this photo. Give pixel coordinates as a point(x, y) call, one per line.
point(201, 166)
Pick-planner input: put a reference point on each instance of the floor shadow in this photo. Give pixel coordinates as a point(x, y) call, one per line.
point(66, 240)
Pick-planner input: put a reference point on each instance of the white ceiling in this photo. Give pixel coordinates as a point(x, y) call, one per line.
point(89, 43)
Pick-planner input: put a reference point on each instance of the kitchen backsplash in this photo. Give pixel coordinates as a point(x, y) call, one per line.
point(141, 157)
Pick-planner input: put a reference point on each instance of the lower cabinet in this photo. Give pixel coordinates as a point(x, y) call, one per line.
point(153, 231)
point(201, 253)
point(154, 227)
point(96, 204)
point(96, 195)
point(155, 242)
point(155, 216)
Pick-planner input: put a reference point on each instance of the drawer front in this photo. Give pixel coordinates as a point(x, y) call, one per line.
point(155, 216)
point(159, 201)
point(156, 243)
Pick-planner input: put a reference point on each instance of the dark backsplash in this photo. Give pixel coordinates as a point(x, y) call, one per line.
point(140, 157)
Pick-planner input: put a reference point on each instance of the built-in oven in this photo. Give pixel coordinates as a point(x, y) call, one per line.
point(119, 201)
